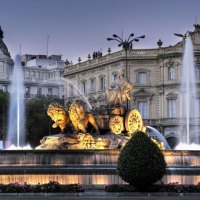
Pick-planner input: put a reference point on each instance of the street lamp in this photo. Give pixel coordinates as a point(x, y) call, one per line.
point(186, 35)
point(126, 44)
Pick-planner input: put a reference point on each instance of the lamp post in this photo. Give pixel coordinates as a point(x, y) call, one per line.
point(126, 45)
point(183, 36)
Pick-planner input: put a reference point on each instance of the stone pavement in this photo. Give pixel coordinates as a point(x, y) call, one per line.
point(99, 194)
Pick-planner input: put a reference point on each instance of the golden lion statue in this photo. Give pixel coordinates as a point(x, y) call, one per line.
point(76, 115)
point(80, 118)
point(58, 114)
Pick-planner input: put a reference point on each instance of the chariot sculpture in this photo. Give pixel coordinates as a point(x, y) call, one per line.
point(73, 121)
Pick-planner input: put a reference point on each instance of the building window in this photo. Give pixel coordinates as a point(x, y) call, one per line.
point(27, 74)
point(5, 88)
point(50, 91)
point(61, 73)
point(143, 108)
point(114, 77)
point(83, 87)
point(71, 91)
point(39, 91)
point(172, 108)
point(197, 72)
point(142, 78)
point(92, 85)
point(32, 74)
point(37, 75)
point(171, 73)
point(102, 83)
point(197, 108)
point(27, 92)
point(1, 68)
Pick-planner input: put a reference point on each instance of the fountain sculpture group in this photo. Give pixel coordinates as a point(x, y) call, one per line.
point(74, 122)
point(78, 155)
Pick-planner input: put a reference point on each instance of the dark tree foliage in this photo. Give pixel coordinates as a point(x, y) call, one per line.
point(38, 123)
point(4, 96)
point(141, 163)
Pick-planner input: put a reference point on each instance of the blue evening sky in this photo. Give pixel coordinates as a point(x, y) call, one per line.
point(79, 27)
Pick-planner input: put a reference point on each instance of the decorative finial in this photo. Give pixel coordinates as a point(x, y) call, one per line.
point(109, 50)
point(1, 33)
point(197, 26)
point(159, 43)
point(79, 59)
point(89, 56)
point(67, 62)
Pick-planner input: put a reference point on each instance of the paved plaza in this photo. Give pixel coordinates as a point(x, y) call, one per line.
point(95, 195)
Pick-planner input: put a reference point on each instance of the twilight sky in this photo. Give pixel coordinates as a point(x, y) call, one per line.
point(79, 27)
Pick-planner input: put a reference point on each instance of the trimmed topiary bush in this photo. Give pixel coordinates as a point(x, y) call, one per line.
point(141, 163)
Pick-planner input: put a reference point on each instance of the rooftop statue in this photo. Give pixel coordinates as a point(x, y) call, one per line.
point(119, 91)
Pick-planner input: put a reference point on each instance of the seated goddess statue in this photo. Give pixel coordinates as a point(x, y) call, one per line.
point(119, 91)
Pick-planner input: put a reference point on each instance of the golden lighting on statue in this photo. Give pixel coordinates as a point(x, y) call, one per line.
point(74, 122)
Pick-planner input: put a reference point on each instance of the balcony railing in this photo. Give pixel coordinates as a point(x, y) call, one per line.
point(121, 55)
point(171, 121)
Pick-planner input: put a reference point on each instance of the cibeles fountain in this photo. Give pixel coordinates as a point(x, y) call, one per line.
point(74, 121)
point(82, 154)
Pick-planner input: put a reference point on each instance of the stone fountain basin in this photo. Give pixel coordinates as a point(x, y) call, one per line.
point(87, 166)
point(87, 157)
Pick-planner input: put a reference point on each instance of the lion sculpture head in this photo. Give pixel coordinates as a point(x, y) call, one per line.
point(58, 114)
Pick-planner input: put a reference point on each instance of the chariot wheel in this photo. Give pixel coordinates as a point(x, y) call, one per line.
point(133, 121)
point(116, 124)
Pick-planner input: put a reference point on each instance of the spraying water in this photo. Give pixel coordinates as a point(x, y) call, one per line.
point(188, 95)
point(16, 133)
point(79, 92)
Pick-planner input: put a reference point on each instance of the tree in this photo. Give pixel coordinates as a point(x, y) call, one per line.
point(38, 123)
point(141, 162)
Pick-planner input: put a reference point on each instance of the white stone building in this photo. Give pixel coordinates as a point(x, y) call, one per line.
point(6, 64)
point(43, 75)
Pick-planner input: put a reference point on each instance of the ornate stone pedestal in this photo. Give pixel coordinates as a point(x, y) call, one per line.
point(82, 141)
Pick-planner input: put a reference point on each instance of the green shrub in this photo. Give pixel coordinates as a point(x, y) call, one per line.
point(141, 162)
